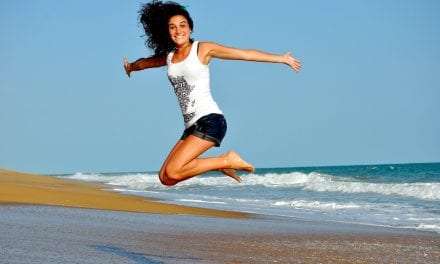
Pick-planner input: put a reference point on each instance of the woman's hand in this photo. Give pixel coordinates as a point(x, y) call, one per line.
point(127, 67)
point(291, 61)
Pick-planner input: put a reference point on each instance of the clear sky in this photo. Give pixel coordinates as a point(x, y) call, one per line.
point(369, 91)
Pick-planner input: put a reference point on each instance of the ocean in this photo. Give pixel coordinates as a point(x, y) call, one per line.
point(397, 195)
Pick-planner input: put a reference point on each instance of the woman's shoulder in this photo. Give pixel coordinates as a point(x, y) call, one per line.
point(206, 43)
point(206, 46)
point(205, 50)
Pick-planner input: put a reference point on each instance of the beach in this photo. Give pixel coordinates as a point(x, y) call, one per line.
point(49, 220)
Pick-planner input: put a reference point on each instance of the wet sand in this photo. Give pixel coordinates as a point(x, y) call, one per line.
point(65, 234)
point(46, 234)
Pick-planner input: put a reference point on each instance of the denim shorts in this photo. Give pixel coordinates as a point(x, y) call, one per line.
point(211, 127)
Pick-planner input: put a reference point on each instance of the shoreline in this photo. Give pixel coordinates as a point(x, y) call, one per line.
point(29, 189)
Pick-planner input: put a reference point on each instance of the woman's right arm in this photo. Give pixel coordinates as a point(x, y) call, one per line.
point(144, 63)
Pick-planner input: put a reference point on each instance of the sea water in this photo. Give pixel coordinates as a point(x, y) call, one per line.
point(400, 195)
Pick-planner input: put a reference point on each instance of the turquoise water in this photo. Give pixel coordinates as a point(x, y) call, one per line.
point(400, 195)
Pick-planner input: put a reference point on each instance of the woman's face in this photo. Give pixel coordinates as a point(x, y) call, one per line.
point(179, 30)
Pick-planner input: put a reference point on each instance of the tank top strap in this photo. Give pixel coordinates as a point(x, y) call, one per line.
point(194, 50)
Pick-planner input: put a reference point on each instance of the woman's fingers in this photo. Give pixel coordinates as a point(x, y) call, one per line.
point(292, 62)
point(126, 67)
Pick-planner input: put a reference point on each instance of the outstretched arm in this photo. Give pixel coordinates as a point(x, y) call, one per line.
point(144, 63)
point(209, 50)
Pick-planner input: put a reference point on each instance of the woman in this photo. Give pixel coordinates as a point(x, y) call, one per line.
point(168, 28)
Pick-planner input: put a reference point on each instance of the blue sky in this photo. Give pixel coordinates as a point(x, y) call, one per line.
point(368, 93)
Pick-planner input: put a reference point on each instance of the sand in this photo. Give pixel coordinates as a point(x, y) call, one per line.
point(33, 230)
point(20, 188)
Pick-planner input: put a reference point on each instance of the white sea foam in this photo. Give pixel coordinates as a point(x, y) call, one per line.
point(316, 205)
point(90, 177)
point(326, 183)
point(308, 181)
point(429, 227)
point(199, 201)
point(284, 179)
point(426, 191)
point(136, 181)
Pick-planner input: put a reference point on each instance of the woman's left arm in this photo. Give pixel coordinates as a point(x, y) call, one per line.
point(209, 50)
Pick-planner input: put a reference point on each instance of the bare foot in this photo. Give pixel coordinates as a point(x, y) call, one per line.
point(230, 172)
point(236, 162)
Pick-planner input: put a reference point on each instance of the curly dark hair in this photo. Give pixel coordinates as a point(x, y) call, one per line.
point(154, 17)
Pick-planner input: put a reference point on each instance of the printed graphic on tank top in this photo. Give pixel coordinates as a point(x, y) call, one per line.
point(183, 90)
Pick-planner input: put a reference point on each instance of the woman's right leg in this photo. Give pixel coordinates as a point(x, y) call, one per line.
point(162, 177)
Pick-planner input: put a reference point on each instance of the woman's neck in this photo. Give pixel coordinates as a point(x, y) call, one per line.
point(184, 47)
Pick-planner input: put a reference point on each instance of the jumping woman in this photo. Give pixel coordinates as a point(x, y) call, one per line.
point(168, 27)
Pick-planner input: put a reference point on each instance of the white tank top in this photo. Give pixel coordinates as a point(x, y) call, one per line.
point(190, 79)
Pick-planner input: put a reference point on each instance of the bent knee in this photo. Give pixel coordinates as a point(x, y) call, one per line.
point(166, 180)
point(172, 173)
